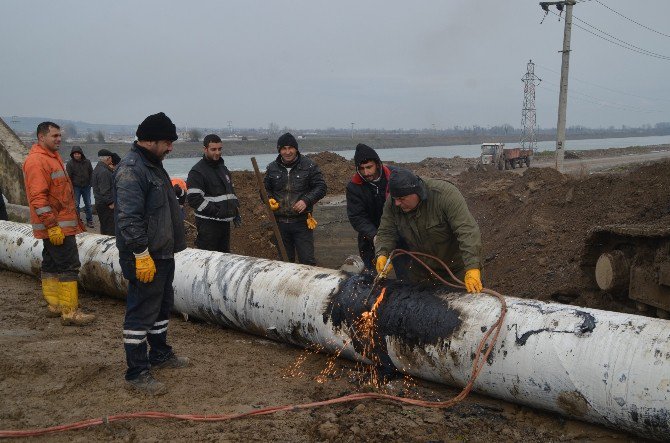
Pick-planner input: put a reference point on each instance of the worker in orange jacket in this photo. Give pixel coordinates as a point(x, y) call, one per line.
point(54, 219)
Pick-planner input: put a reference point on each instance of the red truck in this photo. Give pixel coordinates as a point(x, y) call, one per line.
point(504, 158)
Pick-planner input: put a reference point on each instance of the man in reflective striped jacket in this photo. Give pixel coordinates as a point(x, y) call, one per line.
point(55, 220)
point(212, 196)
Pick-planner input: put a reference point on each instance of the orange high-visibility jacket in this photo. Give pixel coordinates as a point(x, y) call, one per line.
point(50, 193)
point(180, 182)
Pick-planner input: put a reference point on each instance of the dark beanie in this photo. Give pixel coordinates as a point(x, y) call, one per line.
point(404, 182)
point(105, 153)
point(365, 153)
point(116, 158)
point(157, 127)
point(287, 140)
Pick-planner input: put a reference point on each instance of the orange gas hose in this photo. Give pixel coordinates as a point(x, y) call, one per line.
point(477, 366)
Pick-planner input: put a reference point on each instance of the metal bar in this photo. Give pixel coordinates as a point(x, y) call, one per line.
point(271, 215)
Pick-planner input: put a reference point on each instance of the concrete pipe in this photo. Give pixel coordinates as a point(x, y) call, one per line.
point(597, 366)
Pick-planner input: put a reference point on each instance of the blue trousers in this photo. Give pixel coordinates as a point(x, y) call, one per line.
point(85, 193)
point(148, 307)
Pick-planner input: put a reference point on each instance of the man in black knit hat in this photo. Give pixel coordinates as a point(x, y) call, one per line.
point(432, 217)
point(294, 184)
point(366, 194)
point(212, 196)
point(149, 231)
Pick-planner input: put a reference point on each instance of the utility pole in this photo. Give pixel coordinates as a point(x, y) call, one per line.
point(352, 131)
point(563, 94)
point(528, 118)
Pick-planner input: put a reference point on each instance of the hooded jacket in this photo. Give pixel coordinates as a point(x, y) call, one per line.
point(365, 200)
point(146, 211)
point(210, 191)
point(302, 181)
point(441, 225)
point(50, 194)
point(80, 171)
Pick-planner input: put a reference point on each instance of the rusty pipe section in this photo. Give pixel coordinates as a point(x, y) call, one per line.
point(597, 366)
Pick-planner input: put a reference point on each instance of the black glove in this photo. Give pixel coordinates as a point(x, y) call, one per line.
point(178, 191)
point(237, 221)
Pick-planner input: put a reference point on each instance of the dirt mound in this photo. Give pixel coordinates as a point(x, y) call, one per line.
point(337, 170)
point(534, 225)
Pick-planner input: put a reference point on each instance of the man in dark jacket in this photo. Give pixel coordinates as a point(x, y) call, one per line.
point(212, 196)
point(149, 231)
point(294, 184)
point(366, 194)
point(102, 183)
point(80, 171)
point(432, 217)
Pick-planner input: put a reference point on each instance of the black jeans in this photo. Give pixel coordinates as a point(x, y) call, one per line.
point(148, 307)
point(62, 260)
point(106, 217)
point(212, 235)
point(297, 237)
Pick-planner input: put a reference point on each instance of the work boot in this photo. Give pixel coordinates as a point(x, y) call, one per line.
point(51, 293)
point(76, 318)
point(174, 362)
point(147, 384)
point(53, 311)
point(69, 301)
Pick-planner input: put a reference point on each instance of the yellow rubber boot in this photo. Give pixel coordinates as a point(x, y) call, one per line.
point(69, 296)
point(51, 293)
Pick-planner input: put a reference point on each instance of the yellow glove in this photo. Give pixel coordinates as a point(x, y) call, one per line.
point(311, 222)
point(145, 268)
point(56, 235)
point(473, 280)
point(381, 263)
point(274, 204)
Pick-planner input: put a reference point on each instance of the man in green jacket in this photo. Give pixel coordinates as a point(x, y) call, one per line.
point(432, 217)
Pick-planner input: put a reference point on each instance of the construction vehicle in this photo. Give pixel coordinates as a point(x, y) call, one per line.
point(630, 261)
point(504, 158)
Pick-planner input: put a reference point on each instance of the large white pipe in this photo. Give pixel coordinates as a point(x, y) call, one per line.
point(597, 366)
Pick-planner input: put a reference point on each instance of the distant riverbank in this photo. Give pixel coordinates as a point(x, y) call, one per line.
point(337, 144)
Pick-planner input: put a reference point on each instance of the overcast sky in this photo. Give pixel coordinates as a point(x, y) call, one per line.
point(317, 64)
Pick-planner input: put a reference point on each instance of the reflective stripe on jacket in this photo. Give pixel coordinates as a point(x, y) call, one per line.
point(211, 193)
point(50, 194)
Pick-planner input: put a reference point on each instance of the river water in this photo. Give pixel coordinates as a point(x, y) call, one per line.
point(179, 167)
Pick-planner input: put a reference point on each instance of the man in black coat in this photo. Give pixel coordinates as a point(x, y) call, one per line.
point(212, 196)
point(80, 170)
point(366, 194)
point(102, 183)
point(149, 232)
point(294, 184)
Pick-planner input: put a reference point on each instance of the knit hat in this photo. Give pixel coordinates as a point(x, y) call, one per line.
point(287, 140)
point(157, 127)
point(116, 158)
point(365, 153)
point(104, 153)
point(404, 182)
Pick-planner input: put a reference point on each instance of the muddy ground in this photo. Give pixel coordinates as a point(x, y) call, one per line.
point(533, 226)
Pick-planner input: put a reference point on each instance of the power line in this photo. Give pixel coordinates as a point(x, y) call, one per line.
point(631, 20)
point(604, 87)
point(605, 103)
point(618, 39)
point(630, 47)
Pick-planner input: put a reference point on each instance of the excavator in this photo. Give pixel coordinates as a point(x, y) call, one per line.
point(631, 261)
